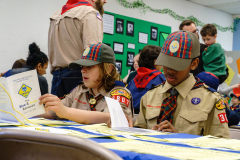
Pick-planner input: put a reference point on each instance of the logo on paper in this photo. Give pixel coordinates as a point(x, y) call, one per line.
point(174, 46)
point(24, 90)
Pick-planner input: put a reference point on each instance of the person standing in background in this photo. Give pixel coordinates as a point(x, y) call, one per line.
point(72, 29)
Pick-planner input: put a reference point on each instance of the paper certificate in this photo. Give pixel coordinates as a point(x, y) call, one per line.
point(24, 90)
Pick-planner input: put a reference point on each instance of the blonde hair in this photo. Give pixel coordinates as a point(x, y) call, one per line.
point(108, 76)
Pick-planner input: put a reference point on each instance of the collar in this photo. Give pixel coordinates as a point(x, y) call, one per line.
point(74, 3)
point(102, 91)
point(183, 88)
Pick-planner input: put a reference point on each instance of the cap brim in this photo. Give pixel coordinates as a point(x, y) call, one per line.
point(178, 64)
point(83, 62)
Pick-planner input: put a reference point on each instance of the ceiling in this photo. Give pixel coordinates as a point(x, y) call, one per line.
point(228, 6)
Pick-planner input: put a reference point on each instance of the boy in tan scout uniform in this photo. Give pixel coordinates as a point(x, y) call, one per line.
point(182, 103)
point(100, 78)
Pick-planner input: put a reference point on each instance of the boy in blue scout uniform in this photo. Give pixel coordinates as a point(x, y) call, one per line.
point(100, 79)
point(182, 103)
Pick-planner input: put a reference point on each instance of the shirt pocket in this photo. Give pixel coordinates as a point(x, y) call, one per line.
point(193, 121)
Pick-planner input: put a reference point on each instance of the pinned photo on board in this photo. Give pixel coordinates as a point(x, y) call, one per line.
point(119, 66)
point(130, 56)
point(119, 25)
point(154, 33)
point(130, 28)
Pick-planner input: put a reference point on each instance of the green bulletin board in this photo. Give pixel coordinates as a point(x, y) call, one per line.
point(126, 30)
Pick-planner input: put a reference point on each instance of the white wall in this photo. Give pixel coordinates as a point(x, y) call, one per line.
point(27, 21)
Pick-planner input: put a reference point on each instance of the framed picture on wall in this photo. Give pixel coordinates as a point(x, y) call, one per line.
point(130, 56)
point(119, 66)
point(130, 28)
point(143, 37)
point(118, 47)
point(154, 33)
point(119, 25)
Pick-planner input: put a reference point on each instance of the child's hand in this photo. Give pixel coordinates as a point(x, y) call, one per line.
point(53, 103)
point(165, 126)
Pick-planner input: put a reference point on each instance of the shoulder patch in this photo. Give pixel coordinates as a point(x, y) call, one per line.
point(119, 83)
point(99, 16)
point(220, 104)
point(120, 92)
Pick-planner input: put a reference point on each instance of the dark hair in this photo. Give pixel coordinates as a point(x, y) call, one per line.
point(19, 63)
point(148, 55)
point(35, 56)
point(208, 29)
point(185, 23)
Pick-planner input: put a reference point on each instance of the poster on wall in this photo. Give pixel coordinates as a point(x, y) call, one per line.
point(130, 56)
point(130, 28)
point(154, 32)
point(143, 38)
point(119, 26)
point(131, 46)
point(118, 47)
point(108, 23)
point(119, 66)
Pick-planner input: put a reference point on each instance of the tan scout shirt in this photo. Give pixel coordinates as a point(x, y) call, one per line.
point(72, 32)
point(78, 99)
point(198, 119)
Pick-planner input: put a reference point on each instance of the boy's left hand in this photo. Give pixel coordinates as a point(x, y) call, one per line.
point(165, 126)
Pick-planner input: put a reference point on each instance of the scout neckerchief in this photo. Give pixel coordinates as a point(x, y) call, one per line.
point(169, 104)
point(93, 101)
point(74, 3)
point(144, 76)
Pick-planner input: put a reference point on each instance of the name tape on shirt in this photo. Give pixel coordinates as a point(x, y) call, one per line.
point(120, 92)
point(220, 104)
point(121, 99)
point(223, 117)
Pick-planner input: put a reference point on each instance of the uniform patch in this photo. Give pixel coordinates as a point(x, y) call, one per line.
point(99, 17)
point(121, 99)
point(86, 51)
point(196, 101)
point(174, 46)
point(220, 104)
point(120, 92)
point(222, 117)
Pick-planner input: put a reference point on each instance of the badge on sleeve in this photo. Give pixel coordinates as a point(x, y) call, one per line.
point(222, 117)
point(196, 101)
point(99, 17)
point(220, 104)
point(121, 95)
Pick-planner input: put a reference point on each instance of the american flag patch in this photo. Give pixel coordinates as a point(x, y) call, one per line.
point(99, 17)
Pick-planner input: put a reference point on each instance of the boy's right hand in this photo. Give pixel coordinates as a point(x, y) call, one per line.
point(53, 103)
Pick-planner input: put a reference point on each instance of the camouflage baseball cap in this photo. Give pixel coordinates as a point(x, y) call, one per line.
point(178, 50)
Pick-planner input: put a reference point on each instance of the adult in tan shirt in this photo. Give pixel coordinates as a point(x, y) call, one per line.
point(72, 29)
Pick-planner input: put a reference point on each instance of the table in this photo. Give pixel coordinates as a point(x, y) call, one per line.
point(156, 145)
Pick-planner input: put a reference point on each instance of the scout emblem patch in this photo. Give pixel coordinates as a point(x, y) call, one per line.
point(121, 95)
point(99, 17)
point(174, 46)
point(24, 90)
point(222, 117)
point(220, 104)
point(196, 101)
point(86, 51)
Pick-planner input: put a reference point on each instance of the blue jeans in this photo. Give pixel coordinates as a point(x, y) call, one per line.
point(65, 80)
